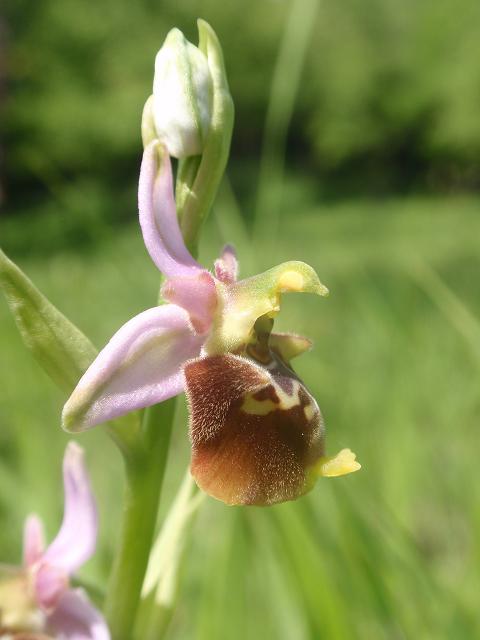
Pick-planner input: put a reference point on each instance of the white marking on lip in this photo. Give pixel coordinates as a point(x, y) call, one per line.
point(287, 401)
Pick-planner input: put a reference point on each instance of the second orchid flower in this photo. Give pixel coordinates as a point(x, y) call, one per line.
point(36, 600)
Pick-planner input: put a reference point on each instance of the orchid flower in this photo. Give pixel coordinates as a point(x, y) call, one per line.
point(36, 600)
point(257, 433)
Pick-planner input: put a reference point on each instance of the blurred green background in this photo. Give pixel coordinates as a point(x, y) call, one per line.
point(356, 148)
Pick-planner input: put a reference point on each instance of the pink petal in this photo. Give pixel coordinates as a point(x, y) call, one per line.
point(75, 542)
point(158, 215)
point(33, 540)
point(197, 295)
point(226, 267)
point(139, 367)
point(50, 583)
point(75, 618)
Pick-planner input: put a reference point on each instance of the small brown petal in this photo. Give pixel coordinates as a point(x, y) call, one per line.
point(255, 430)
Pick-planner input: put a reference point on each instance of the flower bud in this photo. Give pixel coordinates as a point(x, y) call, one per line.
point(180, 111)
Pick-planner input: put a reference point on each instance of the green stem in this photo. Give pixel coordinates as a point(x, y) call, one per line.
point(144, 479)
point(159, 622)
point(167, 559)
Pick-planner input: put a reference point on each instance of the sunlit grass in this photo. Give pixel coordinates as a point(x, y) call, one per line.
point(390, 552)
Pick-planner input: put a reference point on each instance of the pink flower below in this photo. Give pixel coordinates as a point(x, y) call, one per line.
point(40, 600)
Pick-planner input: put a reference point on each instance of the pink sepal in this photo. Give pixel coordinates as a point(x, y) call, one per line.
point(76, 540)
point(140, 366)
point(33, 540)
point(50, 583)
point(158, 215)
point(75, 618)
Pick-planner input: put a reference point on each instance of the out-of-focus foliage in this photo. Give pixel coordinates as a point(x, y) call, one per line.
point(390, 96)
point(391, 74)
point(393, 81)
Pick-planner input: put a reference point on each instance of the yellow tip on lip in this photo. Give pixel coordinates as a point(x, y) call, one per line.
point(291, 281)
point(339, 465)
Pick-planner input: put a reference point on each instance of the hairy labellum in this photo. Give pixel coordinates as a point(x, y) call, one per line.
point(255, 429)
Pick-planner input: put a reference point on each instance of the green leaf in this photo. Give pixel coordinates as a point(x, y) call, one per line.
point(60, 348)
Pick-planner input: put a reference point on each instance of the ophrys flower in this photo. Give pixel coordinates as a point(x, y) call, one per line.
point(257, 433)
point(36, 600)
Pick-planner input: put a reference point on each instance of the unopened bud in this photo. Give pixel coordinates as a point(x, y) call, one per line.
point(180, 110)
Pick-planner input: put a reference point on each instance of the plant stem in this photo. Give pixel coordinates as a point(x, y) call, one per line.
point(144, 479)
point(167, 559)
